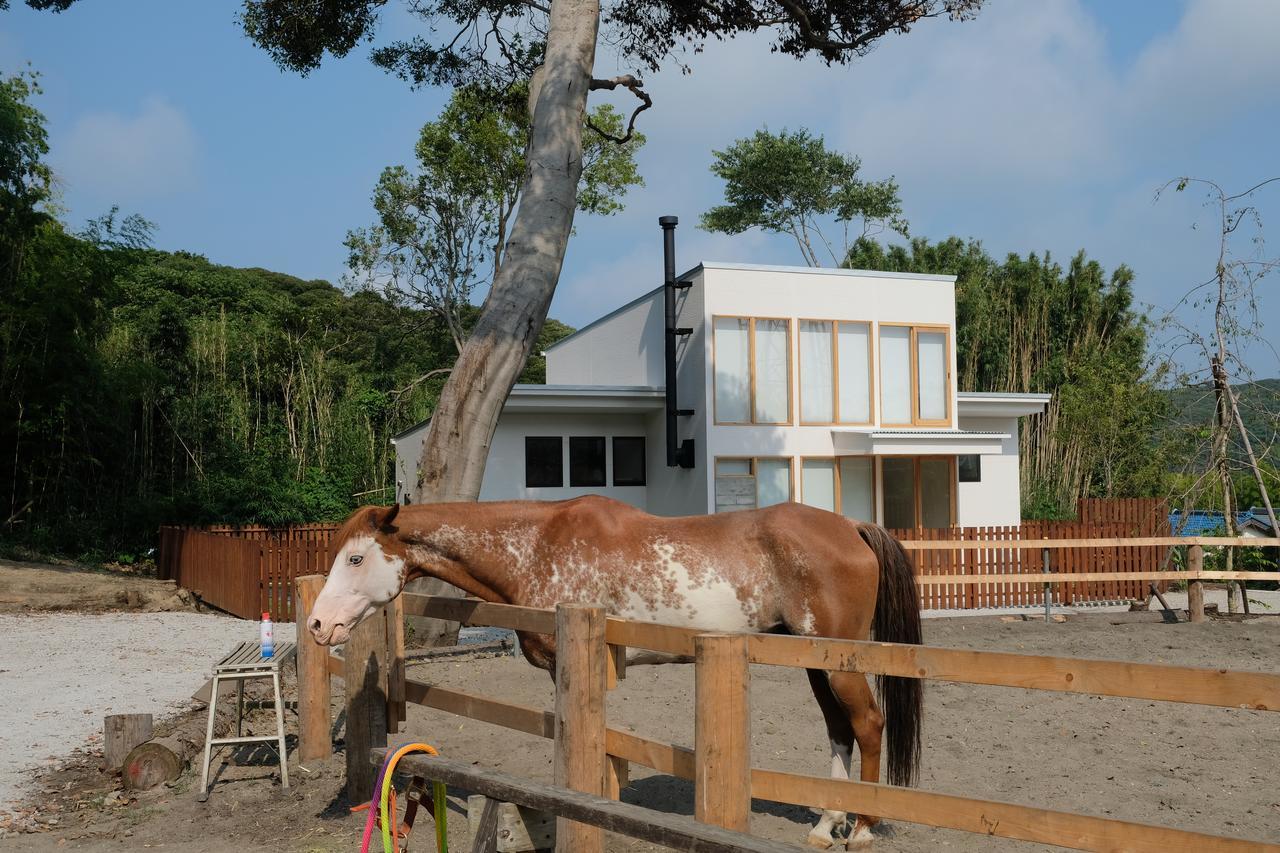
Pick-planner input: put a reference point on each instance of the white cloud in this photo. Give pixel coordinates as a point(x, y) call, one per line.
point(152, 153)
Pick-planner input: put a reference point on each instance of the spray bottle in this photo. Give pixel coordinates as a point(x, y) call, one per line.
point(267, 635)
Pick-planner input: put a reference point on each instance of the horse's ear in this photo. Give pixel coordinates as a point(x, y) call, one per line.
point(385, 522)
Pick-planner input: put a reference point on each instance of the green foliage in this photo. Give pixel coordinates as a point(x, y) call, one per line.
point(442, 227)
point(140, 387)
point(789, 183)
point(1028, 325)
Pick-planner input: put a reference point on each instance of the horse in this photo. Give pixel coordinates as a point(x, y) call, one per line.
point(789, 568)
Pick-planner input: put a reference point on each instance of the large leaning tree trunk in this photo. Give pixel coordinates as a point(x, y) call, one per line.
point(454, 452)
point(462, 426)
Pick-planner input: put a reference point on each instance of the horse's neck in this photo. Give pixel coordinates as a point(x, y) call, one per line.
point(464, 545)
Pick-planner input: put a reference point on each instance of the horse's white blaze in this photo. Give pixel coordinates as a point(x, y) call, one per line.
point(353, 592)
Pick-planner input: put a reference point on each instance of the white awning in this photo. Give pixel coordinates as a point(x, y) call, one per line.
point(917, 442)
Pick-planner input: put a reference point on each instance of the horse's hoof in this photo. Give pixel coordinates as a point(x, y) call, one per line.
point(823, 842)
point(861, 839)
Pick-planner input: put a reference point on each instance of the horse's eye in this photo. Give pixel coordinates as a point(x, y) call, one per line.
point(355, 559)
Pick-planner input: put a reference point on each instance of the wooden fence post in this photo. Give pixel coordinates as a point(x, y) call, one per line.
point(722, 732)
point(1195, 588)
point(364, 671)
point(314, 740)
point(579, 720)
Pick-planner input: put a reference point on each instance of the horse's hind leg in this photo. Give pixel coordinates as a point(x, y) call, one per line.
point(867, 722)
point(841, 736)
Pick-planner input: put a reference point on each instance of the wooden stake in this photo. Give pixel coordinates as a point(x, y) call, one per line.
point(1195, 588)
point(120, 734)
point(579, 720)
point(365, 660)
point(314, 738)
point(722, 732)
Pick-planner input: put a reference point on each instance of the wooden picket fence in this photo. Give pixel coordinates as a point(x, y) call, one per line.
point(245, 570)
point(216, 562)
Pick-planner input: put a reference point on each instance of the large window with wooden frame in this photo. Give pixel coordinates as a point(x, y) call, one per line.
point(752, 357)
point(745, 482)
point(835, 372)
point(919, 491)
point(915, 375)
point(845, 484)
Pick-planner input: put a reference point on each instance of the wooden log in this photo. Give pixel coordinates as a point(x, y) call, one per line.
point(722, 732)
point(1195, 589)
point(155, 762)
point(519, 829)
point(579, 722)
point(314, 738)
point(364, 660)
point(120, 734)
point(396, 713)
point(678, 832)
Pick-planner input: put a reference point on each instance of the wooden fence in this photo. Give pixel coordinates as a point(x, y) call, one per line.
point(986, 567)
point(593, 758)
point(245, 570)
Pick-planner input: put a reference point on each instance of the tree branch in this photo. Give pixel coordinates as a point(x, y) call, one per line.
point(637, 88)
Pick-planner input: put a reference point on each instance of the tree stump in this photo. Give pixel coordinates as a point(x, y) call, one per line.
point(120, 734)
point(155, 762)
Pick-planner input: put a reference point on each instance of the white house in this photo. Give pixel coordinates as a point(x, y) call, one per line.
point(832, 387)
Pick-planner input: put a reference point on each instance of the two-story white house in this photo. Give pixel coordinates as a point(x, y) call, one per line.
point(832, 387)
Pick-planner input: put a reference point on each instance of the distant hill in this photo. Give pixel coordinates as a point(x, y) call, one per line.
point(1259, 408)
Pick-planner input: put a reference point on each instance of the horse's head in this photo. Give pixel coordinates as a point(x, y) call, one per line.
point(368, 571)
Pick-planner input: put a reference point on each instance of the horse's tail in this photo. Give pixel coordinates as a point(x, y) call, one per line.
point(897, 620)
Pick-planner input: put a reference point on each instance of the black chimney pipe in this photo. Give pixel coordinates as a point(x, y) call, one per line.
point(679, 454)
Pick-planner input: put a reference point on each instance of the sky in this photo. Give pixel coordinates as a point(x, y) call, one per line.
point(1043, 125)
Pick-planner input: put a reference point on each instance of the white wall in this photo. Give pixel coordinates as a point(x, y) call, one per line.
point(504, 472)
point(813, 295)
point(997, 499)
point(626, 348)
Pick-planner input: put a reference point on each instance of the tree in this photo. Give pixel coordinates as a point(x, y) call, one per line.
point(1231, 291)
point(789, 183)
point(442, 229)
point(1028, 325)
point(501, 42)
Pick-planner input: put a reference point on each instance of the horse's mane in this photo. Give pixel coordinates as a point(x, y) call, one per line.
point(357, 522)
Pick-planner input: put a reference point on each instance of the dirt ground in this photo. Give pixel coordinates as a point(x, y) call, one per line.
point(28, 587)
point(1197, 768)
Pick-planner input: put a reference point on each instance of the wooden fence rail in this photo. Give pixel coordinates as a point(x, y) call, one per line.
point(720, 763)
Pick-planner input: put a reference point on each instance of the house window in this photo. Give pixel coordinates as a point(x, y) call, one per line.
point(835, 372)
point(915, 375)
point(845, 485)
point(969, 468)
point(751, 483)
point(586, 461)
point(628, 460)
point(918, 491)
point(752, 370)
point(543, 462)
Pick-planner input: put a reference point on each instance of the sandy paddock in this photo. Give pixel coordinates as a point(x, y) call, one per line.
point(1208, 769)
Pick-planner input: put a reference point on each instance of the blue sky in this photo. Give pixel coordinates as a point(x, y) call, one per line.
point(1039, 126)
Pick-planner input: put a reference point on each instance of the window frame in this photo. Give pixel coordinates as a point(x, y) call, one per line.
point(834, 330)
point(644, 460)
point(753, 460)
point(914, 391)
point(604, 461)
point(548, 439)
point(751, 375)
point(835, 460)
point(919, 506)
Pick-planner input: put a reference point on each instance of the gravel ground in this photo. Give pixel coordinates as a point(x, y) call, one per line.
point(60, 673)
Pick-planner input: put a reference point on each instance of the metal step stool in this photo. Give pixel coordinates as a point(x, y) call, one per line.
point(245, 662)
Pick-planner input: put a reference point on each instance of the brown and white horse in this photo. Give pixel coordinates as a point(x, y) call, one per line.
point(789, 568)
